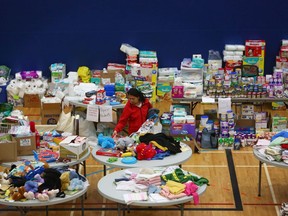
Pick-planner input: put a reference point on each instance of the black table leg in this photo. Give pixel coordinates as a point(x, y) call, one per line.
point(259, 180)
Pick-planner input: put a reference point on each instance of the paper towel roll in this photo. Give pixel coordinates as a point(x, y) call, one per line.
point(230, 47)
point(228, 58)
point(228, 53)
point(238, 53)
point(240, 47)
point(284, 42)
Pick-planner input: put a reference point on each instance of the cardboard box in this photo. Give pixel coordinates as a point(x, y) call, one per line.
point(73, 150)
point(8, 151)
point(109, 77)
point(50, 113)
point(25, 145)
point(32, 100)
point(187, 129)
point(246, 126)
point(33, 113)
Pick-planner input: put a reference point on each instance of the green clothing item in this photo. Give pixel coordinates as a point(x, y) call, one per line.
point(179, 176)
point(278, 141)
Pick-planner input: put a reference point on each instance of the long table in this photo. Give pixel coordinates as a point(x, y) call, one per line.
point(199, 99)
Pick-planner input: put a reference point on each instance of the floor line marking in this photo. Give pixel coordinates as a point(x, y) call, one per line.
point(234, 181)
point(271, 188)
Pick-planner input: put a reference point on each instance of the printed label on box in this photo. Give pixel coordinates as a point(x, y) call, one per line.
point(25, 142)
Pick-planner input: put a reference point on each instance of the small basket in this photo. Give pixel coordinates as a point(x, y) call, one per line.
point(5, 127)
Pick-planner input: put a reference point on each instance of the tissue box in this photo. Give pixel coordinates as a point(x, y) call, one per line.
point(72, 150)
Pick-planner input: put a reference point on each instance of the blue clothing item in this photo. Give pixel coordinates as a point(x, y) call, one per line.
point(160, 156)
point(153, 189)
point(280, 134)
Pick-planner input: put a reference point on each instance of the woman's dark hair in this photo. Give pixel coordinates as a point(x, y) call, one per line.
point(136, 93)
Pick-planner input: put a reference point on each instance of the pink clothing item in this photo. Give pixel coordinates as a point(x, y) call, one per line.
point(191, 189)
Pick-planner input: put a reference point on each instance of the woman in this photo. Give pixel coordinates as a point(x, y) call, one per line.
point(134, 113)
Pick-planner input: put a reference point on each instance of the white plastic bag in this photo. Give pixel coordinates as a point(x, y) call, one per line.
point(66, 122)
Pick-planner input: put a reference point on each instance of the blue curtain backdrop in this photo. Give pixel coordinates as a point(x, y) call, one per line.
point(37, 33)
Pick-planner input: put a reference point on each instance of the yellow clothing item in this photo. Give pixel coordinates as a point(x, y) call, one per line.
point(175, 187)
point(158, 146)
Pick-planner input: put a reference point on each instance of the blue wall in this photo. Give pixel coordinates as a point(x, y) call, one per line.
point(36, 33)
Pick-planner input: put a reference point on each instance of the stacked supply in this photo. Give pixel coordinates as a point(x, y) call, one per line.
point(165, 80)
point(131, 55)
point(208, 131)
point(4, 78)
point(182, 123)
point(26, 82)
point(261, 121)
point(192, 76)
point(58, 72)
point(282, 58)
point(278, 83)
point(146, 76)
point(214, 62)
point(233, 56)
point(279, 123)
point(227, 130)
point(253, 61)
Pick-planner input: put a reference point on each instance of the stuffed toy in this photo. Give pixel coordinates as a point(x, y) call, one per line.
point(51, 180)
point(31, 186)
point(123, 142)
point(105, 141)
point(65, 180)
point(52, 193)
point(18, 193)
point(76, 184)
point(37, 178)
point(33, 172)
point(29, 195)
point(43, 197)
point(145, 152)
point(73, 174)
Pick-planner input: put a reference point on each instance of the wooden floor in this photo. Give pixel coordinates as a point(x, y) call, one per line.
point(221, 197)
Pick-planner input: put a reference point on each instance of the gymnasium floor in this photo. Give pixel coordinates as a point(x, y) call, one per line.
point(233, 189)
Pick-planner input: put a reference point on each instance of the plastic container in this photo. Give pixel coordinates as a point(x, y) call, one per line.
point(203, 120)
point(179, 120)
point(209, 125)
point(190, 119)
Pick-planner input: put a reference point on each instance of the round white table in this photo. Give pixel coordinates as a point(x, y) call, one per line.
point(176, 159)
point(107, 189)
point(23, 206)
point(51, 165)
point(262, 159)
